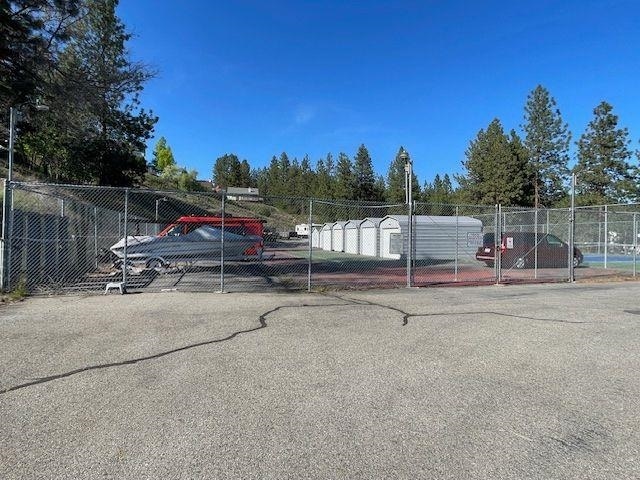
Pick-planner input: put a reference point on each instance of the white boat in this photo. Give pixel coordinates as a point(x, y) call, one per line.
point(201, 244)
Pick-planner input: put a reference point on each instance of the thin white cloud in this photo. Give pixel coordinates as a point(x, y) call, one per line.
point(304, 114)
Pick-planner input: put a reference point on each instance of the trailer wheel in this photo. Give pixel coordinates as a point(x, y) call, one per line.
point(156, 263)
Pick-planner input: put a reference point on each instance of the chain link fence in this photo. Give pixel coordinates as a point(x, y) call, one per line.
point(608, 238)
point(60, 239)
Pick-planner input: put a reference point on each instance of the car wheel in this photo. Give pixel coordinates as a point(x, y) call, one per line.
point(155, 263)
point(519, 263)
point(576, 262)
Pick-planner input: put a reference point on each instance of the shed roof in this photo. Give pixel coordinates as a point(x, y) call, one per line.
point(436, 220)
point(375, 220)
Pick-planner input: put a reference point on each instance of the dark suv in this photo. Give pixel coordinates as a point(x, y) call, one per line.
point(518, 250)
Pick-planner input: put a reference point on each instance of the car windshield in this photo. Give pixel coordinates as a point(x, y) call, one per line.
point(488, 239)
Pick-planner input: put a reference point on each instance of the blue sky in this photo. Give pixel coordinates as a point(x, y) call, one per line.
point(256, 78)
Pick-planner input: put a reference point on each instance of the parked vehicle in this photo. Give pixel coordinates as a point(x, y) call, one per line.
point(518, 250)
point(193, 239)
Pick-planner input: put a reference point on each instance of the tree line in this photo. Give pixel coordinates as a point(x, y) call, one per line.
point(530, 169)
point(332, 178)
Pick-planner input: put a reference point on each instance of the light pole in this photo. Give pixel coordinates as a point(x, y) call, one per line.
point(408, 174)
point(158, 200)
point(6, 201)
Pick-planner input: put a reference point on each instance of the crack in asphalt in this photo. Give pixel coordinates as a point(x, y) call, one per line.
point(263, 324)
point(407, 316)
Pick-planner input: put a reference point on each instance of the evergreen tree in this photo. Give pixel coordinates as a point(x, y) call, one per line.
point(95, 130)
point(244, 174)
point(283, 186)
point(32, 33)
point(162, 155)
point(379, 189)
point(305, 182)
point(603, 169)
point(226, 171)
point(344, 178)
point(395, 191)
point(441, 190)
point(494, 173)
point(272, 178)
point(322, 181)
point(522, 164)
point(547, 140)
point(363, 175)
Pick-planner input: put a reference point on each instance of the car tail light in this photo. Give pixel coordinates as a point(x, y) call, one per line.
point(503, 247)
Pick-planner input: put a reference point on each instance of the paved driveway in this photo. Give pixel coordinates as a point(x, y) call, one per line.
point(492, 382)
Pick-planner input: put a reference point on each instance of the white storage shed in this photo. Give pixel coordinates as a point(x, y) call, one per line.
point(435, 237)
point(325, 236)
point(351, 233)
point(315, 236)
point(369, 236)
point(337, 235)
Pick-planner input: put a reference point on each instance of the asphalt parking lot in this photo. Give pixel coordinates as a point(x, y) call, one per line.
point(509, 382)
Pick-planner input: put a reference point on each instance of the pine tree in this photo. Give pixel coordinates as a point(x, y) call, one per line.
point(547, 140)
point(522, 164)
point(344, 178)
point(223, 170)
point(244, 174)
point(306, 177)
point(364, 177)
point(322, 182)
point(32, 33)
point(603, 170)
point(162, 155)
point(96, 130)
point(395, 192)
point(494, 173)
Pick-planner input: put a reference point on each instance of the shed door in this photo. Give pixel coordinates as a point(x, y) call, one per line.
point(368, 243)
point(338, 240)
point(326, 239)
point(351, 240)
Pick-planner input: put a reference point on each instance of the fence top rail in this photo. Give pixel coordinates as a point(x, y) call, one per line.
point(356, 203)
point(134, 190)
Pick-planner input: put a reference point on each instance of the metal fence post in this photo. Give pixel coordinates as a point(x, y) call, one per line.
point(635, 242)
point(126, 239)
point(498, 244)
point(10, 224)
point(606, 234)
point(535, 247)
point(547, 232)
point(409, 241)
point(224, 197)
point(572, 229)
point(455, 276)
point(95, 235)
point(310, 244)
point(4, 247)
